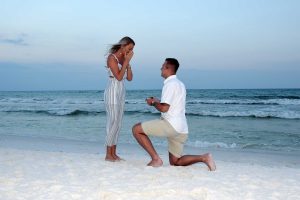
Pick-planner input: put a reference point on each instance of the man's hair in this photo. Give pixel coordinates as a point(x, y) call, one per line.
point(174, 63)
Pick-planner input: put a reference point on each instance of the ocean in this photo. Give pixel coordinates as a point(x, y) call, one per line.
point(246, 119)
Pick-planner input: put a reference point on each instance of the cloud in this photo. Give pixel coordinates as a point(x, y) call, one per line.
point(19, 40)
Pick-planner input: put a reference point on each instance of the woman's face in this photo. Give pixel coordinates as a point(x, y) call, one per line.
point(128, 48)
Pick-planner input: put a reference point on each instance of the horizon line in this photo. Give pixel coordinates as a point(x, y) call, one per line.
point(73, 90)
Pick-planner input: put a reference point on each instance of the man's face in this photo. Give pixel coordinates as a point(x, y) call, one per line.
point(164, 69)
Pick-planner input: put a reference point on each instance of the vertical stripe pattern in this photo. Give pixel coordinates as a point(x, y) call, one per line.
point(114, 98)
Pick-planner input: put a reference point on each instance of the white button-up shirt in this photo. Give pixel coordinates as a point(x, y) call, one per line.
point(174, 94)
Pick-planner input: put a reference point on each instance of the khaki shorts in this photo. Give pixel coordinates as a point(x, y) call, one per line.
point(162, 128)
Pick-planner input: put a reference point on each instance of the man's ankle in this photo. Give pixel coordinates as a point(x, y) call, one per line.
point(156, 157)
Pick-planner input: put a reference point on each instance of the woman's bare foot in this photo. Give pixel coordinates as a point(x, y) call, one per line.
point(155, 163)
point(110, 158)
point(210, 162)
point(117, 158)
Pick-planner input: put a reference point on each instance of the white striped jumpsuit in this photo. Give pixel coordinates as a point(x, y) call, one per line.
point(114, 99)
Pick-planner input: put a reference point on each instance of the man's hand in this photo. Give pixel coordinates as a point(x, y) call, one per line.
point(151, 100)
point(161, 107)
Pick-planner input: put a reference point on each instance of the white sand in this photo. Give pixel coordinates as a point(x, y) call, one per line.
point(33, 168)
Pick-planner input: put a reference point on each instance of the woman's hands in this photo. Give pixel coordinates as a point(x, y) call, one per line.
point(128, 56)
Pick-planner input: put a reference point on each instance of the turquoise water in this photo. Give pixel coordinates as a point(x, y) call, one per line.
point(230, 119)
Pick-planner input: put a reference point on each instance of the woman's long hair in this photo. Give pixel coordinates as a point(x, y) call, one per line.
point(123, 42)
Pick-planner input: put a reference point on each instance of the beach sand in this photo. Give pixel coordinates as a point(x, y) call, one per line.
point(36, 168)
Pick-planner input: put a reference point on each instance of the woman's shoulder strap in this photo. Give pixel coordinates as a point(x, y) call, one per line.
point(115, 57)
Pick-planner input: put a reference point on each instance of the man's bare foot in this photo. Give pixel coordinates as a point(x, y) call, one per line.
point(210, 162)
point(155, 163)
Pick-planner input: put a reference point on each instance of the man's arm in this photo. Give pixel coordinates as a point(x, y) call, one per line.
point(161, 107)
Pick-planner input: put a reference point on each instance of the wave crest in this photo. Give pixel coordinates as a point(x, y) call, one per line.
point(205, 144)
point(223, 114)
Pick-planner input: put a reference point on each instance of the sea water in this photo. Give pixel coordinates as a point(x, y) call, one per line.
point(248, 119)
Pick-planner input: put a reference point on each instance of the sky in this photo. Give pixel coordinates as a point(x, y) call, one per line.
point(225, 44)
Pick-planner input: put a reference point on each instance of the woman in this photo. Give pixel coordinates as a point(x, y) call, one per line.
point(118, 66)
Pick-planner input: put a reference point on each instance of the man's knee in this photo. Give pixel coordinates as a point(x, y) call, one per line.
point(136, 129)
point(173, 159)
point(173, 162)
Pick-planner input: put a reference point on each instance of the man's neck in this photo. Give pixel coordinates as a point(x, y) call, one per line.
point(169, 75)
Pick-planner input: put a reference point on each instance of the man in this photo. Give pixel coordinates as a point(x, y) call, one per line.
point(172, 125)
